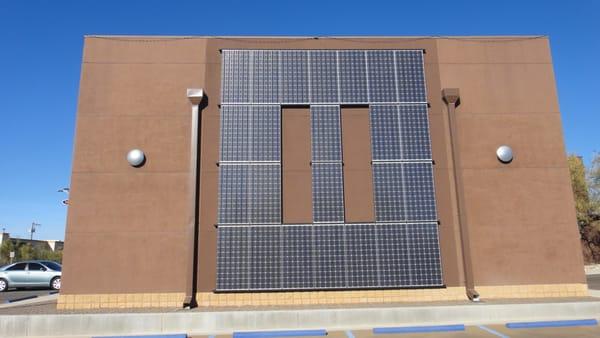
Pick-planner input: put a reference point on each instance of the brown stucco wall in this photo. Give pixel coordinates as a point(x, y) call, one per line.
point(521, 216)
point(131, 223)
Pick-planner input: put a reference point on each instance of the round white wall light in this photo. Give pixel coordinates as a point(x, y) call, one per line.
point(505, 154)
point(136, 157)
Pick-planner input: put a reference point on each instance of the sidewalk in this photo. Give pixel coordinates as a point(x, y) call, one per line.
point(225, 321)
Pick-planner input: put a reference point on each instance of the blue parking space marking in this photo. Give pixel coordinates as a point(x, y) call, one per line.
point(417, 329)
point(552, 323)
point(349, 334)
point(211, 336)
point(272, 334)
point(494, 332)
point(178, 335)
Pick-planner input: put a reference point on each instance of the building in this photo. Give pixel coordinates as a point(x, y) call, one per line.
point(332, 170)
point(45, 244)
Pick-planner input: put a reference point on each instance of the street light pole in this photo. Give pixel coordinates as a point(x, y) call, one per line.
point(32, 230)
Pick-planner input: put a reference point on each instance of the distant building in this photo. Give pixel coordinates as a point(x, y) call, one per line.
point(53, 245)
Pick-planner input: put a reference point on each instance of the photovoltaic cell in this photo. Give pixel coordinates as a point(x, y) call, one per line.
point(235, 131)
point(385, 133)
point(265, 77)
point(394, 258)
point(323, 77)
point(265, 257)
point(361, 250)
point(414, 132)
point(232, 258)
point(330, 265)
point(410, 76)
point(419, 192)
point(297, 257)
point(265, 133)
point(381, 76)
point(424, 253)
point(264, 200)
point(236, 76)
point(327, 192)
point(233, 194)
point(353, 76)
point(294, 76)
point(388, 185)
point(326, 133)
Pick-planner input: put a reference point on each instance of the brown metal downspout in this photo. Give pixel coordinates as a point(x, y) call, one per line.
point(452, 98)
point(195, 96)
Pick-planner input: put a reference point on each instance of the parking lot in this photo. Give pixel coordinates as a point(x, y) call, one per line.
point(14, 294)
point(484, 331)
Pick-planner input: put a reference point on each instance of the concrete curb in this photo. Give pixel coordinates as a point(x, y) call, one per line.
point(226, 322)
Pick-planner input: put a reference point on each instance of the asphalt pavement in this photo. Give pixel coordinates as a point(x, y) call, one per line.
point(593, 282)
point(13, 294)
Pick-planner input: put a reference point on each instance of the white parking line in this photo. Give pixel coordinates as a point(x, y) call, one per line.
point(349, 334)
point(484, 328)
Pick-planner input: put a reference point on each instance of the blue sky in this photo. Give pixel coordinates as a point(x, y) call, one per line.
point(40, 60)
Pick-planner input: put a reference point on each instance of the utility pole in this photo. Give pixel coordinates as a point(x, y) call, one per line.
point(32, 229)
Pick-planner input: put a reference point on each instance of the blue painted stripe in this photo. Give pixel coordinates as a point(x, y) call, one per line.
point(416, 329)
point(552, 323)
point(485, 328)
point(178, 335)
point(211, 336)
point(349, 334)
point(289, 333)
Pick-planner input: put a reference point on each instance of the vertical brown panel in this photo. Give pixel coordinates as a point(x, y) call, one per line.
point(295, 161)
point(358, 177)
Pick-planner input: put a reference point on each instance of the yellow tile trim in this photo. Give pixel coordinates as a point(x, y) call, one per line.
point(209, 299)
point(119, 301)
point(533, 291)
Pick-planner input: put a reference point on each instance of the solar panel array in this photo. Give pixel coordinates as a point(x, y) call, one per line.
point(322, 76)
point(255, 250)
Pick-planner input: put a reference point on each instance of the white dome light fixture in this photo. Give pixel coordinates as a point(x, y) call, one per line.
point(136, 158)
point(505, 154)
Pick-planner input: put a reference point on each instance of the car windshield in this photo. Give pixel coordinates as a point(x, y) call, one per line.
point(53, 266)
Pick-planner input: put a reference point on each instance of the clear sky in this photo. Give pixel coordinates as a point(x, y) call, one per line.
point(40, 60)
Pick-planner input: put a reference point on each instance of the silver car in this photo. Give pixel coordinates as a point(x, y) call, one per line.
point(30, 274)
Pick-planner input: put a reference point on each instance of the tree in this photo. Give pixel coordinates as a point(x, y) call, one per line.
point(580, 190)
point(593, 179)
point(26, 252)
point(5, 250)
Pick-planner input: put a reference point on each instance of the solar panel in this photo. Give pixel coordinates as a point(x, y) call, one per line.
point(329, 256)
point(362, 250)
point(410, 76)
point(255, 251)
point(232, 258)
point(265, 77)
point(323, 77)
point(332, 256)
point(327, 175)
point(294, 76)
point(236, 76)
point(297, 266)
point(265, 257)
point(381, 76)
point(353, 76)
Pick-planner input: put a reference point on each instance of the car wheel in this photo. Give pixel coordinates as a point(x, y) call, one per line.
point(55, 283)
point(3, 285)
